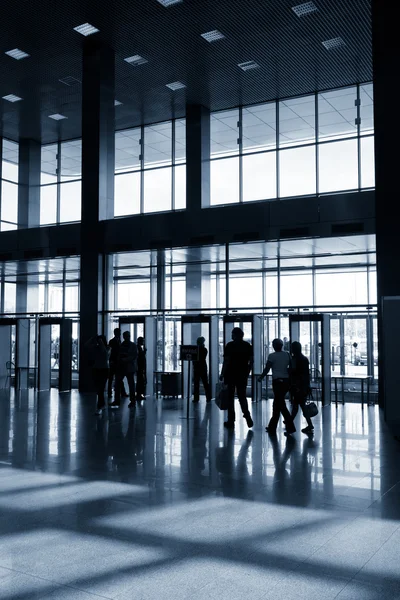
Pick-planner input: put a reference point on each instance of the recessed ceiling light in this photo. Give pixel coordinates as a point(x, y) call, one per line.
point(57, 117)
point(213, 36)
point(86, 29)
point(136, 60)
point(12, 98)
point(334, 43)
point(304, 9)
point(247, 66)
point(169, 2)
point(17, 54)
point(117, 103)
point(175, 85)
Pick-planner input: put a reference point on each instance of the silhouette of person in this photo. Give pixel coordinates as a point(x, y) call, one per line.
point(200, 372)
point(300, 384)
point(279, 362)
point(126, 367)
point(141, 370)
point(114, 344)
point(237, 365)
point(100, 353)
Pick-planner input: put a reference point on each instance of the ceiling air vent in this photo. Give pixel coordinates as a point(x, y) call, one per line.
point(213, 36)
point(334, 43)
point(249, 65)
point(304, 9)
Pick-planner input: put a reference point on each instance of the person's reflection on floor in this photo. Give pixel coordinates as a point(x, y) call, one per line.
point(199, 439)
point(234, 479)
point(99, 443)
point(281, 482)
point(135, 438)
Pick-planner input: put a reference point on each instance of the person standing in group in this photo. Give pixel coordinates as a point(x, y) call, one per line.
point(99, 353)
point(279, 362)
point(300, 384)
point(141, 372)
point(200, 372)
point(126, 367)
point(238, 363)
point(115, 344)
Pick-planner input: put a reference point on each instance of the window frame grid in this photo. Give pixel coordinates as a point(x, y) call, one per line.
point(317, 144)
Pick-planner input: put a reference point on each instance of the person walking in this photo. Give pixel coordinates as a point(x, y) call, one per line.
point(300, 384)
point(279, 362)
point(141, 370)
point(237, 365)
point(126, 367)
point(115, 344)
point(200, 372)
point(99, 352)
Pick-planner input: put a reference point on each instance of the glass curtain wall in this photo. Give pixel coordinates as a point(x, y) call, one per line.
point(9, 185)
point(61, 183)
point(316, 144)
point(150, 169)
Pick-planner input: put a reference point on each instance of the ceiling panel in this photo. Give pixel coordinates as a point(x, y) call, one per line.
point(288, 49)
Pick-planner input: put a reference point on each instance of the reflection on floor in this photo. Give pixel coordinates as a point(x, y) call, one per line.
point(145, 505)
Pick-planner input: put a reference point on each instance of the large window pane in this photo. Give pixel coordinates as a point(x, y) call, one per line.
point(10, 290)
point(180, 140)
point(158, 145)
point(8, 226)
point(296, 289)
point(337, 113)
point(224, 133)
point(338, 166)
point(72, 298)
point(48, 204)
point(245, 292)
point(259, 176)
point(367, 108)
point(297, 121)
point(70, 202)
point(127, 194)
point(180, 187)
point(157, 190)
point(127, 150)
point(48, 164)
point(367, 162)
point(133, 295)
point(259, 127)
point(55, 297)
point(10, 160)
point(9, 201)
point(224, 178)
point(333, 288)
point(297, 172)
point(71, 160)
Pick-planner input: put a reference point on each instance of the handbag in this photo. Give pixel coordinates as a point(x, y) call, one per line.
point(221, 396)
point(311, 409)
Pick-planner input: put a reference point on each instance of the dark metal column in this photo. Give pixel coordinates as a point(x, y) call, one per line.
point(29, 184)
point(197, 157)
point(385, 62)
point(97, 189)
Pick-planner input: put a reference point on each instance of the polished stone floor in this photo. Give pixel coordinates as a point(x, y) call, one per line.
point(147, 505)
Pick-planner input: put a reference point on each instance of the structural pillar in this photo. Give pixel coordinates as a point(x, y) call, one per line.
point(98, 94)
point(29, 184)
point(385, 60)
point(197, 157)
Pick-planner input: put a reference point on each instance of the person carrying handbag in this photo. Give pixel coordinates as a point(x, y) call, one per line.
point(300, 384)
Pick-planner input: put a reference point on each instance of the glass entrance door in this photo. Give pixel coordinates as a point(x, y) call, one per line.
point(252, 326)
point(313, 333)
point(355, 346)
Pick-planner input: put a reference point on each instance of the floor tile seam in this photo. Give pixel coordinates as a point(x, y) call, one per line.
point(56, 584)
